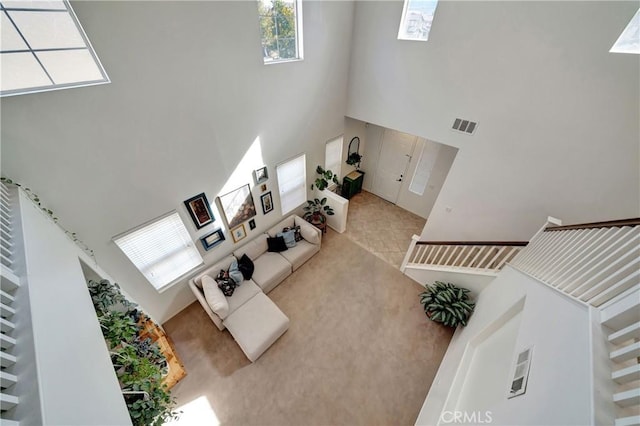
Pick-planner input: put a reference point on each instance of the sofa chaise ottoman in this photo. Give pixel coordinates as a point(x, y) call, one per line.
point(254, 321)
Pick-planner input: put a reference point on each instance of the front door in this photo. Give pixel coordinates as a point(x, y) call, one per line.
point(396, 150)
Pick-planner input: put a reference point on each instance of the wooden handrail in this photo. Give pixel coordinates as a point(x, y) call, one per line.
point(473, 243)
point(608, 224)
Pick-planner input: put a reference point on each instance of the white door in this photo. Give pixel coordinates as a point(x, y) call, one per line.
point(396, 150)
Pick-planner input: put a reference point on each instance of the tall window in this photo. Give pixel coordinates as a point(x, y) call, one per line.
point(292, 183)
point(162, 250)
point(333, 155)
point(44, 48)
point(417, 17)
point(281, 29)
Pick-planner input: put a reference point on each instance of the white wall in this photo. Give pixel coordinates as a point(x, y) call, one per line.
point(371, 136)
point(77, 383)
point(558, 115)
point(189, 97)
point(558, 391)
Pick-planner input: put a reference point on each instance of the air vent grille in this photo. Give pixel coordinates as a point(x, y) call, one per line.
point(522, 363)
point(464, 126)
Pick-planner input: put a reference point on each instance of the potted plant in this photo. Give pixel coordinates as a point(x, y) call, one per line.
point(325, 176)
point(315, 210)
point(354, 159)
point(447, 304)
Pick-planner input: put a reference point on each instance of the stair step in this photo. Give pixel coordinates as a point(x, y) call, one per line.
point(6, 342)
point(6, 297)
point(630, 332)
point(628, 421)
point(7, 360)
point(7, 380)
point(626, 375)
point(6, 326)
point(6, 311)
point(10, 281)
point(627, 398)
point(7, 402)
point(625, 353)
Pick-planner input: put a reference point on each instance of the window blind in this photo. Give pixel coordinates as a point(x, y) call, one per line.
point(292, 181)
point(162, 250)
point(333, 155)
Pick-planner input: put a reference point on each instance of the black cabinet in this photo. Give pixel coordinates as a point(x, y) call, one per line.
point(352, 184)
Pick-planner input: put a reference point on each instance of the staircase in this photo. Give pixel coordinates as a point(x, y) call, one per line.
point(598, 264)
point(9, 398)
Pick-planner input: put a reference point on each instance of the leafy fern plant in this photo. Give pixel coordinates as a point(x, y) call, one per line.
point(447, 304)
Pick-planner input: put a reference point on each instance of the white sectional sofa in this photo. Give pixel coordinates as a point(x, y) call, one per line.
point(254, 321)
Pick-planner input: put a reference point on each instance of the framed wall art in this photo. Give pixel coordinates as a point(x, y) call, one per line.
point(199, 210)
point(237, 206)
point(211, 240)
point(260, 175)
point(238, 233)
point(267, 202)
point(252, 224)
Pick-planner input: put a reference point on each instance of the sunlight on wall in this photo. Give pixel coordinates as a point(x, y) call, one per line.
point(241, 175)
point(243, 172)
point(195, 413)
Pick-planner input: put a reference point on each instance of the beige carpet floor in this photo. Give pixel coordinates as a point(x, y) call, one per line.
point(359, 350)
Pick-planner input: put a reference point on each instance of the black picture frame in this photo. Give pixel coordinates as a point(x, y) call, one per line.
point(200, 210)
point(212, 239)
point(252, 224)
point(267, 202)
point(260, 175)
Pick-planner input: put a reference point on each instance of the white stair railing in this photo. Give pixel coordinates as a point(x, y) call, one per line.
point(598, 264)
point(482, 257)
point(10, 283)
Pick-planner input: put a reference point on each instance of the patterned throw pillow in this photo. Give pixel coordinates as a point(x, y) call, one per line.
point(225, 283)
point(296, 230)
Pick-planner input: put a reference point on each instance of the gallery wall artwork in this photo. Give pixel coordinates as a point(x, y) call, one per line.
point(237, 206)
point(199, 210)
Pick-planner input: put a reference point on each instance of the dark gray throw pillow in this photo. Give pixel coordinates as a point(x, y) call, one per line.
point(276, 244)
point(245, 264)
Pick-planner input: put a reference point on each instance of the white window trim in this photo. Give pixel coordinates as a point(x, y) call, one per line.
point(162, 286)
point(401, 35)
point(327, 166)
point(299, 40)
point(304, 183)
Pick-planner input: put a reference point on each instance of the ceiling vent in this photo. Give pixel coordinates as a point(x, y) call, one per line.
point(464, 126)
point(521, 373)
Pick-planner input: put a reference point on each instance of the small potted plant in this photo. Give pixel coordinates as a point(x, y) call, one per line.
point(326, 176)
point(316, 209)
point(354, 159)
point(447, 304)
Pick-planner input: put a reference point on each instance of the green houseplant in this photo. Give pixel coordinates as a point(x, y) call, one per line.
point(325, 176)
point(354, 159)
point(139, 363)
point(316, 209)
point(447, 304)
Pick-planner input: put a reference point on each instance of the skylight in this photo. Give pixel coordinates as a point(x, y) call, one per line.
point(629, 40)
point(417, 17)
point(43, 47)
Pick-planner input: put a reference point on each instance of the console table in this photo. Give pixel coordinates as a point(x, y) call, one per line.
point(352, 184)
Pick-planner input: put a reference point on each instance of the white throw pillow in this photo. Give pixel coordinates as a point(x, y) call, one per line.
point(214, 296)
point(309, 233)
